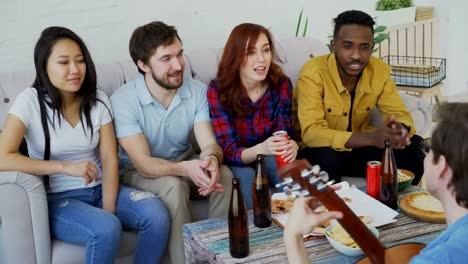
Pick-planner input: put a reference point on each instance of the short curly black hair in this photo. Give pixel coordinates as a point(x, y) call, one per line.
point(353, 17)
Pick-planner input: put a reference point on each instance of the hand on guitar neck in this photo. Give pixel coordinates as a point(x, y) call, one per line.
point(301, 176)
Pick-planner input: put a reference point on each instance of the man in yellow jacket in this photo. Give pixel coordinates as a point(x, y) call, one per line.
point(334, 96)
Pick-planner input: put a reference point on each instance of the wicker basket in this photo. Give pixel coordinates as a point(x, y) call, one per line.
point(416, 71)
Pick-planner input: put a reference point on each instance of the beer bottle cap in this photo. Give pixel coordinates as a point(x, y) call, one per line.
point(387, 143)
point(235, 180)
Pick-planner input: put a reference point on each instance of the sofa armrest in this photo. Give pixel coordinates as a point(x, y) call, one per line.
point(25, 220)
point(420, 110)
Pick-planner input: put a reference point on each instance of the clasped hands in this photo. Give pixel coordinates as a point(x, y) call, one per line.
point(394, 131)
point(205, 174)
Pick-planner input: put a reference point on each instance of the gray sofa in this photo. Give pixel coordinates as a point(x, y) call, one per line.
point(23, 208)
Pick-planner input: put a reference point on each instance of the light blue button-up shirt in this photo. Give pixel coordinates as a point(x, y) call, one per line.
point(449, 247)
point(166, 131)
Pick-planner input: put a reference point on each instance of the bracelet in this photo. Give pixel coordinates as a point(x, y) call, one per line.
point(217, 158)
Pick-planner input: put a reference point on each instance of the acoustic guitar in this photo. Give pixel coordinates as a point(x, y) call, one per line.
point(310, 180)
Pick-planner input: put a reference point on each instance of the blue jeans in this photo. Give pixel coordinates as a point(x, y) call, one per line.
point(76, 217)
point(246, 175)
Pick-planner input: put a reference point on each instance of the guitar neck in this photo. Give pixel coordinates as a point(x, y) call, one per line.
point(311, 178)
point(353, 225)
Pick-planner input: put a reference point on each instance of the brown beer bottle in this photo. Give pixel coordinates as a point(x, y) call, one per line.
point(261, 196)
point(238, 223)
point(389, 178)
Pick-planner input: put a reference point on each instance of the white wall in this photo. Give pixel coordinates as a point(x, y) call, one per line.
point(454, 45)
point(106, 25)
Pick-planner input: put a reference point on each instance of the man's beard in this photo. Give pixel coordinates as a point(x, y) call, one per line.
point(167, 85)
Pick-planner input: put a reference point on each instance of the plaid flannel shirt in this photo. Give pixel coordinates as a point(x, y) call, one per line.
point(272, 112)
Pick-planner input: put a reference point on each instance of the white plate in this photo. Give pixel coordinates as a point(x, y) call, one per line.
point(360, 204)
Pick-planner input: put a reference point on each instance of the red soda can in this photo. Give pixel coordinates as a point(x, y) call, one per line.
point(279, 161)
point(373, 179)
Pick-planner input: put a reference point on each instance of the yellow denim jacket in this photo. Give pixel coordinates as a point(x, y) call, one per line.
point(322, 103)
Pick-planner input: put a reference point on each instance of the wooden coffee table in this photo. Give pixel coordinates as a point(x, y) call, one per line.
point(207, 241)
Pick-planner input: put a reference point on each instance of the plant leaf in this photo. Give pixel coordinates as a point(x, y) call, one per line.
point(305, 27)
point(381, 37)
point(380, 29)
point(299, 22)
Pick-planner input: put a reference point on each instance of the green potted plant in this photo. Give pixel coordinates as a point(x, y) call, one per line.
point(299, 20)
point(395, 12)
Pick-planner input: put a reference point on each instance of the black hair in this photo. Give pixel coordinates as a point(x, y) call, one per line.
point(147, 38)
point(88, 90)
point(353, 17)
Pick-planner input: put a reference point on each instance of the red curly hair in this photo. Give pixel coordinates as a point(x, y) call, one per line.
point(232, 92)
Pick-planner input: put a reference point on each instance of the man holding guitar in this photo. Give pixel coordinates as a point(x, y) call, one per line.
point(446, 174)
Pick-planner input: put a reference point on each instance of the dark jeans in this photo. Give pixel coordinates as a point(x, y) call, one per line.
point(246, 174)
point(353, 163)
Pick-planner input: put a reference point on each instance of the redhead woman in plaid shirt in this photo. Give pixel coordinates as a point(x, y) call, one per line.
point(249, 100)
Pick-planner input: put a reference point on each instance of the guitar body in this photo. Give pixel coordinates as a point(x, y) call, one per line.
point(399, 254)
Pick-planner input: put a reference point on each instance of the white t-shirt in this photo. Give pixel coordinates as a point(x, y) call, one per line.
point(66, 142)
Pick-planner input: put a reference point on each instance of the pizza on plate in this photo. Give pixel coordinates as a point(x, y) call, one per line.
point(422, 206)
point(285, 206)
point(281, 206)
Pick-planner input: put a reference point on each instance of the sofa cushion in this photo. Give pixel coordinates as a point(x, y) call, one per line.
point(204, 64)
point(63, 252)
point(420, 110)
point(294, 52)
point(11, 84)
point(110, 77)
